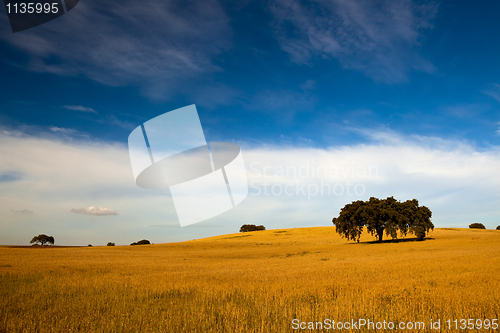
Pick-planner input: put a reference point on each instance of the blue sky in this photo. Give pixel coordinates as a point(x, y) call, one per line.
point(293, 78)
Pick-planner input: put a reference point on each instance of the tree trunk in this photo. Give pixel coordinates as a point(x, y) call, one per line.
point(380, 235)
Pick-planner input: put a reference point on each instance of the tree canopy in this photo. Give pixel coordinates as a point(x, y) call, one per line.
point(42, 239)
point(383, 215)
point(477, 226)
point(141, 242)
point(251, 227)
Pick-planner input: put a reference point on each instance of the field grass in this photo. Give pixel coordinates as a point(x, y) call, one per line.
point(252, 282)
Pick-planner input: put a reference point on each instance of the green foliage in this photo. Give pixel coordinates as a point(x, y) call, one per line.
point(110, 244)
point(477, 226)
point(251, 227)
point(42, 239)
point(383, 215)
point(141, 242)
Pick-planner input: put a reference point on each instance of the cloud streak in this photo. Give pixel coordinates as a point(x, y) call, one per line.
point(79, 108)
point(97, 211)
point(378, 38)
point(67, 131)
point(23, 211)
point(494, 92)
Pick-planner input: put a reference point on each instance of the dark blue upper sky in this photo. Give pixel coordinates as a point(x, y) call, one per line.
point(320, 73)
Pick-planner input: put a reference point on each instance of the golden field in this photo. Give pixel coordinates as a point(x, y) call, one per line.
point(251, 282)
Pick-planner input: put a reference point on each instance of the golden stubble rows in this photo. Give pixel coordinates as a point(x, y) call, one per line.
point(252, 282)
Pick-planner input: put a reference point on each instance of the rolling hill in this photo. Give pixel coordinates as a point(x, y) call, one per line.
point(253, 282)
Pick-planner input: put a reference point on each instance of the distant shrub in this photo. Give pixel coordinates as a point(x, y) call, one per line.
point(89, 245)
point(498, 228)
point(110, 244)
point(141, 242)
point(477, 226)
point(251, 227)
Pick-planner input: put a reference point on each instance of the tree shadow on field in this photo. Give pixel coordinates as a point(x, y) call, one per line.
point(397, 240)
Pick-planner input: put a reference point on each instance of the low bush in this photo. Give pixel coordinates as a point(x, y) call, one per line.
point(141, 242)
point(251, 227)
point(477, 226)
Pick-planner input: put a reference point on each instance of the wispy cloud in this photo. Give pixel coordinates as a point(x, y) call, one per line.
point(211, 96)
point(124, 42)
point(493, 91)
point(283, 103)
point(113, 120)
point(464, 110)
point(64, 132)
point(378, 38)
point(98, 211)
point(79, 108)
point(308, 85)
point(67, 131)
point(23, 211)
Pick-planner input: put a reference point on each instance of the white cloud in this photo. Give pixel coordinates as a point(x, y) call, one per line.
point(378, 38)
point(99, 211)
point(457, 182)
point(156, 47)
point(79, 108)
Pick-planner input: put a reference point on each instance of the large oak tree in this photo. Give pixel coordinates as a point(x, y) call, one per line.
point(383, 215)
point(42, 239)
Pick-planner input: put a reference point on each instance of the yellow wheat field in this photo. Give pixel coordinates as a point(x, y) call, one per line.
point(252, 282)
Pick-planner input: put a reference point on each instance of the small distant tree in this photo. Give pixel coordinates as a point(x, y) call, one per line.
point(141, 242)
point(498, 228)
point(42, 239)
point(381, 216)
point(251, 227)
point(110, 244)
point(89, 245)
point(477, 226)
